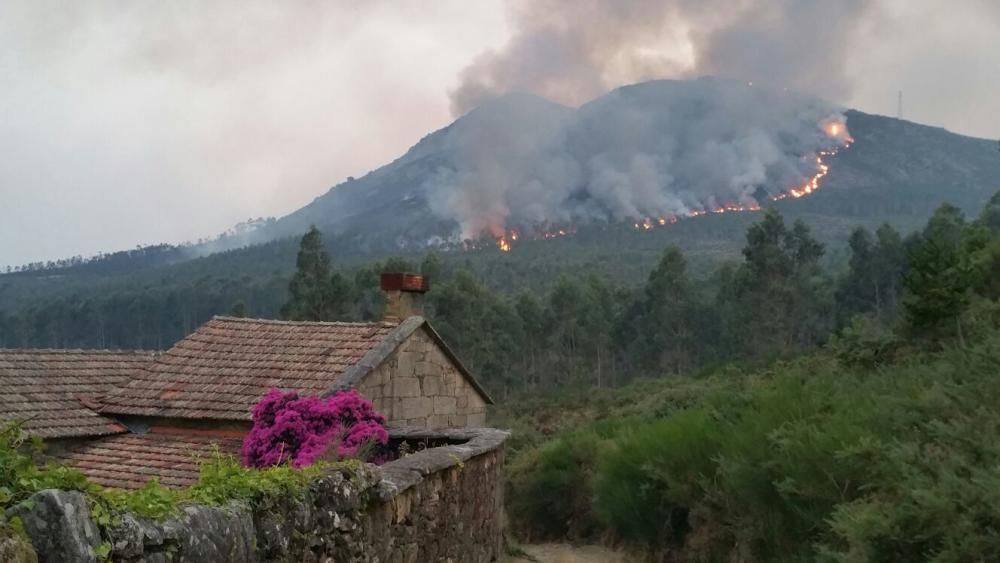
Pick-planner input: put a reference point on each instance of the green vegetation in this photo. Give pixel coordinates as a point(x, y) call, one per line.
point(807, 460)
point(21, 474)
point(881, 446)
point(24, 471)
point(549, 329)
point(315, 294)
point(224, 480)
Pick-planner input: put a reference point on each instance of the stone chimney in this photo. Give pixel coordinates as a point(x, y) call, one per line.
point(404, 295)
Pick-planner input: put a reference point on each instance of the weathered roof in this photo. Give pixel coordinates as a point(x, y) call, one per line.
point(54, 392)
point(128, 461)
point(223, 368)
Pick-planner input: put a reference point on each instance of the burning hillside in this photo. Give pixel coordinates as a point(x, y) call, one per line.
point(747, 188)
point(527, 168)
point(835, 129)
point(649, 155)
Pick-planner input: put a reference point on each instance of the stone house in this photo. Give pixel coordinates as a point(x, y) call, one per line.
point(156, 414)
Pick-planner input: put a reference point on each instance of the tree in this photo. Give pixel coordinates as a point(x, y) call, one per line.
point(874, 279)
point(668, 336)
point(890, 267)
point(529, 310)
point(989, 217)
point(778, 295)
point(431, 266)
point(314, 293)
point(939, 278)
point(854, 293)
point(239, 310)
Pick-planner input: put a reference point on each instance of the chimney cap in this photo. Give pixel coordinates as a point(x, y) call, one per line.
point(401, 281)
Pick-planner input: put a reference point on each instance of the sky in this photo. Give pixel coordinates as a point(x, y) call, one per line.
point(139, 122)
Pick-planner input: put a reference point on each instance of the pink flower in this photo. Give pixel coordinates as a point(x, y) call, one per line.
point(288, 429)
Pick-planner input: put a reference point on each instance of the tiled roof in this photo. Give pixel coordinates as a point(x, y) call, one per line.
point(54, 391)
point(223, 368)
point(127, 461)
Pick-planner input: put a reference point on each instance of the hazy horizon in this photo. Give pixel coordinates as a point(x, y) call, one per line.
point(155, 123)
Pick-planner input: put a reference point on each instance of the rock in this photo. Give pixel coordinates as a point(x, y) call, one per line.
point(222, 535)
point(14, 548)
point(127, 537)
point(59, 526)
point(440, 504)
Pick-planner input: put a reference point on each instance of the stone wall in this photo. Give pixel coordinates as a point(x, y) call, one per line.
point(441, 504)
point(418, 385)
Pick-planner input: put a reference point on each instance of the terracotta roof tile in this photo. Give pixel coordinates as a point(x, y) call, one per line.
point(54, 391)
point(223, 368)
point(128, 461)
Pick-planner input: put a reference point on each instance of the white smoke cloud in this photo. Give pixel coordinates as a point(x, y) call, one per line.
point(667, 149)
point(571, 52)
point(657, 149)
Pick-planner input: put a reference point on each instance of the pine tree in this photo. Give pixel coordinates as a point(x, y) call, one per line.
point(314, 293)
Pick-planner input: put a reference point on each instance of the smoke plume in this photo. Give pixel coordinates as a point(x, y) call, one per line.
point(571, 52)
point(656, 149)
point(652, 150)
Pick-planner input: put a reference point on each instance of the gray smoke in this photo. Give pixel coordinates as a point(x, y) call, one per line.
point(657, 149)
point(572, 52)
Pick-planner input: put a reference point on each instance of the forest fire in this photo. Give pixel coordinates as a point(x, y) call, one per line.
point(504, 241)
point(833, 128)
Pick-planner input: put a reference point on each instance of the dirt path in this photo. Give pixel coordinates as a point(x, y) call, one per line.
point(562, 553)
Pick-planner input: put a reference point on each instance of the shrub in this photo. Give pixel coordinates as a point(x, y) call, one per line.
point(863, 343)
point(288, 429)
point(551, 487)
point(21, 474)
point(816, 459)
point(653, 473)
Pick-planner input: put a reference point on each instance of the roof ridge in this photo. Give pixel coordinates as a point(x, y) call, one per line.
point(79, 351)
point(300, 323)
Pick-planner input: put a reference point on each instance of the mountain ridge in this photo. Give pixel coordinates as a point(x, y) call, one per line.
point(896, 171)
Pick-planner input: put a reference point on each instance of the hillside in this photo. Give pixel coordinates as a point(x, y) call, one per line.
point(896, 171)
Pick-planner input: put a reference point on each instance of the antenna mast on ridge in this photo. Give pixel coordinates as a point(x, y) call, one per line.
point(899, 106)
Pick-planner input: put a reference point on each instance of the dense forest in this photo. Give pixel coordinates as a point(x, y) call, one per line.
point(579, 327)
point(768, 409)
point(880, 445)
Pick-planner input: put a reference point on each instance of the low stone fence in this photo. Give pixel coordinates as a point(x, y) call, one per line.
point(438, 504)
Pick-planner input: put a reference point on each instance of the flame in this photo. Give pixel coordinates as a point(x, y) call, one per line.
point(505, 240)
point(834, 128)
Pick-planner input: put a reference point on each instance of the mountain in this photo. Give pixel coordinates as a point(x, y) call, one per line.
point(388, 209)
point(588, 167)
point(895, 170)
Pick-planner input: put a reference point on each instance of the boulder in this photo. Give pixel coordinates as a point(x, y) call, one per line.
point(59, 526)
point(13, 547)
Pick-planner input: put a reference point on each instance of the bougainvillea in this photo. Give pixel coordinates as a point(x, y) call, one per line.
point(300, 430)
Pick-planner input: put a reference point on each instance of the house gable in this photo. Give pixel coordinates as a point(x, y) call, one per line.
point(420, 383)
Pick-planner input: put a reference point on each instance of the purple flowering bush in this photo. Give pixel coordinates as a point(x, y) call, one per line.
point(288, 429)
